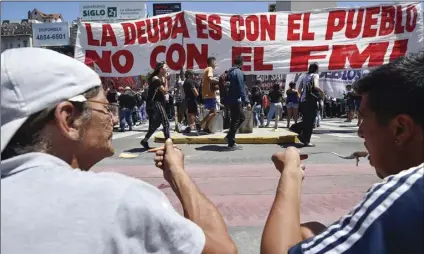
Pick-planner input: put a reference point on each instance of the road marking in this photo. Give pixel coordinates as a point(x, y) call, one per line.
point(324, 127)
point(315, 136)
point(340, 125)
point(124, 134)
point(341, 135)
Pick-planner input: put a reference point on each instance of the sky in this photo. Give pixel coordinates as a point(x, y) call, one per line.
point(70, 10)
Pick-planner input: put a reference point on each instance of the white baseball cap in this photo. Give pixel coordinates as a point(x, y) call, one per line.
point(34, 79)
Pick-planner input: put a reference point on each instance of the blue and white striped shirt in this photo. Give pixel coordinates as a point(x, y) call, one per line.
point(389, 219)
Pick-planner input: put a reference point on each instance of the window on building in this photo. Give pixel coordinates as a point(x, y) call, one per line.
point(11, 46)
point(25, 42)
point(19, 45)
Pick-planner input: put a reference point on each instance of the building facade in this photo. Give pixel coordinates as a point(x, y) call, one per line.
point(38, 16)
point(15, 34)
point(16, 41)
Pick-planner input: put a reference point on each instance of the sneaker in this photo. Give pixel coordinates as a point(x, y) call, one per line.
point(309, 145)
point(232, 145)
point(145, 144)
point(187, 130)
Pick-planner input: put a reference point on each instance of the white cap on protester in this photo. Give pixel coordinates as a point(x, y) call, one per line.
point(34, 79)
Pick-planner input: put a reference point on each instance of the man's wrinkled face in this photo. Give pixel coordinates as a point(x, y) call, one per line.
point(99, 129)
point(379, 140)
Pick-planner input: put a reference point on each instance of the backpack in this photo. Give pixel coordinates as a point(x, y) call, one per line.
point(311, 93)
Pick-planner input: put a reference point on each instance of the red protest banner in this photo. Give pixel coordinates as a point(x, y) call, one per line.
point(269, 43)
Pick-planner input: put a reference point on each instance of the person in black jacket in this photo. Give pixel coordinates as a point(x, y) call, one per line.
point(127, 102)
point(236, 99)
point(112, 94)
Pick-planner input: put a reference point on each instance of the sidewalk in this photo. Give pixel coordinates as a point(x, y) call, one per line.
point(259, 136)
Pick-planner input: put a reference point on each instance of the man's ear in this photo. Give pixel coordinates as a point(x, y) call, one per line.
point(66, 120)
point(404, 128)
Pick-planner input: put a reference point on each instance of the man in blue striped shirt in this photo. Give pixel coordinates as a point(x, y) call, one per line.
point(390, 218)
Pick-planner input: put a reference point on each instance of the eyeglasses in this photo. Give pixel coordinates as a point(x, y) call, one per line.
point(111, 108)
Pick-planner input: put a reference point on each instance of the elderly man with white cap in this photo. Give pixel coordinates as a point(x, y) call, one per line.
point(56, 123)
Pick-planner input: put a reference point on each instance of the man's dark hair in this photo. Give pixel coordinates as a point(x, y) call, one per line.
point(210, 60)
point(238, 61)
point(313, 68)
point(396, 88)
point(189, 73)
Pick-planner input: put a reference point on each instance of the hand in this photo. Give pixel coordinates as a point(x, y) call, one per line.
point(289, 159)
point(170, 160)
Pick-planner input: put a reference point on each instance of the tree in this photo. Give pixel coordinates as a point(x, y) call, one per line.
point(271, 7)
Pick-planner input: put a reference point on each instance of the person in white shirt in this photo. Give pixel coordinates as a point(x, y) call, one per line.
point(56, 125)
point(309, 103)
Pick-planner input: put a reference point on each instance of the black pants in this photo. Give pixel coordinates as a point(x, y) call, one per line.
point(157, 116)
point(227, 116)
point(309, 109)
point(237, 118)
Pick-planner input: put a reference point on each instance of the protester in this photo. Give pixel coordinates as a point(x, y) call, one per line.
point(140, 116)
point(357, 102)
point(191, 95)
point(210, 85)
point(127, 103)
point(224, 85)
point(256, 103)
point(179, 97)
point(56, 124)
point(310, 93)
point(320, 110)
point(236, 100)
point(143, 108)
point(350, 103)
point(292, 103)
point(112, 94)
point(158, 89)
point(389, 219)
point(276, 109)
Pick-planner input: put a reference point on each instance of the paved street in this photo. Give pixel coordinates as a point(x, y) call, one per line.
point(242, 182)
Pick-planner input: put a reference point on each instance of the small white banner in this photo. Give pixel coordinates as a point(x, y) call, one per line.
point(50, 34)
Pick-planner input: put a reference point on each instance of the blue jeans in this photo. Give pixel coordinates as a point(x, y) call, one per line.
point(318, 118)
point(277, 109)
point(125, 117)
point(257, 115)
point(142, 112)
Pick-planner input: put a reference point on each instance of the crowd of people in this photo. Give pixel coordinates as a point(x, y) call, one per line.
point(191, 96)
point(57, 123)
point(132, 105)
